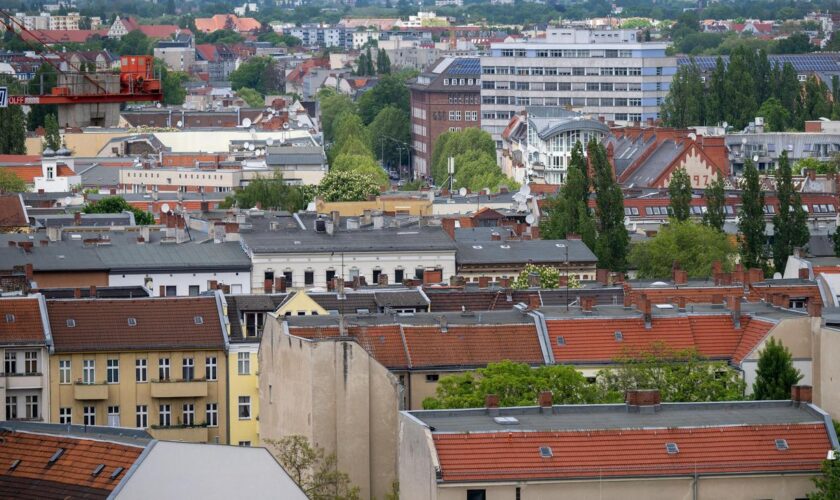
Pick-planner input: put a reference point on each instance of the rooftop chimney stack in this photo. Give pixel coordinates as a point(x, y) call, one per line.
point(339, 287)
point(735, 307)
point(491, 403)
point(546, 401)
point(804, 273)
point(444, 328)
point(801, 394)
point(643, 400)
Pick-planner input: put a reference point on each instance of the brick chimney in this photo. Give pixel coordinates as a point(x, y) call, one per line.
point(645, 307)
point(267, 286)
point(534, 301)
point(815, 307)
point(643, 400)
point(602, 276)
point(804, 273)
point(432, 276)
point(800, 394)
point(494, 236)
point(562, 281)
point(681, 303)
point(491, 403)
point(28, 271)
point(92, 292)
point(77, 218)
point(680, 276)
point(717, 268)
point(77, 293)
point(504, 282)
point(734, 303)
point(448, 225)
point(545, 400)
point(483, 281)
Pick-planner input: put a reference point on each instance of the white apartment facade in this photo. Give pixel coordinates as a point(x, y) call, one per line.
point(608, 73)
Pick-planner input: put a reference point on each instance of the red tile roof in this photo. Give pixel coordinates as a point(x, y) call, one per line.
point(26, 326)
point(473, 345)
point(222, 21)
point(70, 476)
point(161, 323)
point(713, 336)
point(625, 452)
point(384, 342)
point(61, 36)
point(162, 30)
point(12, 211)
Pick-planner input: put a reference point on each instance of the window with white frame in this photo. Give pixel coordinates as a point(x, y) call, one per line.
point(245, 443)
point(30, 362)
point(65, 415)
point(89, 413)
point(113, 371)
point(189, 414)
point(89, 371)
point(142, 419)
point(10, 362)
point(113, 416)
point(141, 370)
point(210, 368)
point(165, 415)
point(64, 371)
point(243, 360)
point(244, 407)
point(11, 407)
point(163, 369)
point(212, 415)
point(188, 369)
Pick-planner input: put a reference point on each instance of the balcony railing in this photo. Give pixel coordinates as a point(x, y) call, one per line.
point(196, 388)
point(24, 380)
point(190, 433)
point(87, 392)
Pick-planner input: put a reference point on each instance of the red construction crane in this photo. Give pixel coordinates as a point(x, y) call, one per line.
point(137, 81)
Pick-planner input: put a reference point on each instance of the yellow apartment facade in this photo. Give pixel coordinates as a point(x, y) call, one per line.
point(153, 363)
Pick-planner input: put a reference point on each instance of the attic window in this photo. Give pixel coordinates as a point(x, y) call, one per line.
point(506, 420)
point(97, 470)
point(362, 311)
point(545, 452)
point(504, 246)
point(132, 321)
point(199, 320)
point(672, 448)
point(781, 444)
point(10, 318)
point(56, 456)
point(116, 472)
point(71, 323)
point(477, 247)
point(561, 340)
point(618, 336)
point(14, 465)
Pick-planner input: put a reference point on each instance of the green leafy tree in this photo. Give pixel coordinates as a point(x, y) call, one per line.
point(751, 224)
point(516, 384)
point(389, 131)
point(715, 197)
point(251, 74)
point(457, 143)
point(680, 191)
point(363, 164)
point(389, 91)
point(134, 43)
point(52, 137)
point(788, 87)
point(477, 170)
point(612, 245)
point(172, 83)
point(683, 106)
point(251, 97)
point(13, 131)
point(798, 43)
point(776, 117)
point(342, 185)
point(775, 373)
point(315, 472)
point(118, 205)
point(383, 63)
point(361, 65)
point(740, 89)
point(679, 375)
point(694, 246)
point(568, 212)
point(814, 101)
point(716, 106)
point(333, 105)
point(11, 183)
point(549, 277)
point(828, 484)
point(272, 193)
point(790, 224)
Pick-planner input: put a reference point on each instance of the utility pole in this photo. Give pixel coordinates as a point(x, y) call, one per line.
point(450, 167)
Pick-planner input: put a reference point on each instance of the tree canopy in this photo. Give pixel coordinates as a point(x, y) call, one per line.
point(715, 197)
point(272, 193)
point(790, 223)
point(11, 183)
point(389, 91)
point(315, 472)
point(680, 191)
point(751, 224)
point(568, 212)
point(775, 373)
point(612, 245)
point(694, 246)
point(117, 205)
point(339, 185)
point(549, 277)
point(251, 97)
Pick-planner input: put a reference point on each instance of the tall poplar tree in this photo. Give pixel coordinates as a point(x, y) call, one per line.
point(790, 224)
point(715, 204)
point(751, 224)
point(683, 106)
point(740, 95)
point(679, 190)
point(613, 244)
point(568, 212)
point(716, 105)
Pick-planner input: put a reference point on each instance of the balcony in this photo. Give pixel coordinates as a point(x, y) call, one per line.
point(190, 434)
point(23, 381)
point(90, 392)
point(179, 388)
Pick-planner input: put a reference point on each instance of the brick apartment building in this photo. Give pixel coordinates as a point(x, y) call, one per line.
point(445, 97)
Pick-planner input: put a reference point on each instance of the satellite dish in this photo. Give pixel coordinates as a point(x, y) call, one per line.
point(157, 105)
point(246, 122)
point(180, 124)
point(777, 276)
point(269, 141)
point(725, 125)
point(692, 136)
point(755, 158)
point(247, 145)
point(530, 219)
point(251, 147)
point(165, 208)
point(67, 201)
point(286, 125)
point(462, 191)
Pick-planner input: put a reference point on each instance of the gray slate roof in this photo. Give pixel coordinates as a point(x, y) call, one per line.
point(522, 252)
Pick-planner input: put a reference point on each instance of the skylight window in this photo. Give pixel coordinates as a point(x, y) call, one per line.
point(132, 321)
point(56, 456)
point(545, 452)
point(781, 444)
point(199, 320)
point(561, 340)
point(672, 448)
point(10, 318)
point(14, 464)
point(71, 323)
point(116, 472)
point(97, 470)
point(506, 420)
point(618, 336)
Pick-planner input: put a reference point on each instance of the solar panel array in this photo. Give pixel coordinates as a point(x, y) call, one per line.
point(801, 62)
point(465, 66)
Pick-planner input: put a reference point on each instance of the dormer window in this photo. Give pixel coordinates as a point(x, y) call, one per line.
point(50, 172)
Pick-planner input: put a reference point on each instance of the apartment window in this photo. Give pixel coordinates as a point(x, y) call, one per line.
point(245, 443)
point(64, 371)
point(165, 415)
point(10, 365)
point(507, 52)
point(399, 275)
point(309, 277)
point(188, 369)
point(89, 413)
point(65, 415)
point(113, 416)
point(142, 420)
point(194, 290)
point(140, 370)
point(30, 362)
point(11, 407)
point(212, 415)
point(244, 407)
point(454, 116)
point(243, 360)
point(210, 368)
point(113, 371)
point(288, 276)
point(189, 414)
point(88, 371)
point(659, 71)
point(432, 377)
point(171, 291)
point(476, 495)
point(163, 369)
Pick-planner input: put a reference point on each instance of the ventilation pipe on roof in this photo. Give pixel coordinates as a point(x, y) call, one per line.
point(443, 324)
point(734, 303)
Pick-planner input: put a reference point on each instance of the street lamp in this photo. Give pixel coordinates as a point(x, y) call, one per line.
point(566, 248)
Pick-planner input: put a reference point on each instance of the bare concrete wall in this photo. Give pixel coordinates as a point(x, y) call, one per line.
point(416, 461)
point(826, 368)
